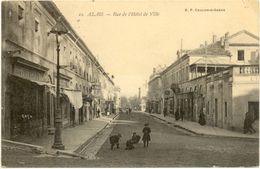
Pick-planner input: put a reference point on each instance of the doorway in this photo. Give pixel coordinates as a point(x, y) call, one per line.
point(216, 112)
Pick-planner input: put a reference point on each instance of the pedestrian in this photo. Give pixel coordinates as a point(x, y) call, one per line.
point(136, 138)
point(202, 120)
point(177, 115)
point(248, 122)
point(164, 112)
point(129, 144)
point(114, 140)
point(182, 115)
point(146, 135)
point(98, 113)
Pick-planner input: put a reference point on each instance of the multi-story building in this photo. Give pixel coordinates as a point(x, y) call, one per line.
point(186, 82)
point(29, 71)
point(154, 91)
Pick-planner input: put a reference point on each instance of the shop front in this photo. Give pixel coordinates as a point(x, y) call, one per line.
point(25, 107)
point(169, 102)
point(28, 108)
point(185, 105)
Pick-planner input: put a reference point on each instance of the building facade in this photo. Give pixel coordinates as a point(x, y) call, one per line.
point(29, 71)
point(154, 100)
point(209, 78)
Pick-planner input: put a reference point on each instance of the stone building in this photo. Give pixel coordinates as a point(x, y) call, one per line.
point(154, 100)
point(190, 84)
point(29, 71)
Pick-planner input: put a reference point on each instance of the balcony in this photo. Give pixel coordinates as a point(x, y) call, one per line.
point(243, 70)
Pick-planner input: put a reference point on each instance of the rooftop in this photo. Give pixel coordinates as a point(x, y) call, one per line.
point(211, 49)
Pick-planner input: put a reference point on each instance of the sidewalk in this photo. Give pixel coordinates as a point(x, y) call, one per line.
point(203, 130)
point(73, 137)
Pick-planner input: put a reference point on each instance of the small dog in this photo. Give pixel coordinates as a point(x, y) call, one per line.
point(114, 140)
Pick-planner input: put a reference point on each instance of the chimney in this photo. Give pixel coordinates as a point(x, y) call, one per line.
point(226, 35)
point(139, 93)
point(222, 41)
point(214, 38)
point(178, 54)
point(226, 43)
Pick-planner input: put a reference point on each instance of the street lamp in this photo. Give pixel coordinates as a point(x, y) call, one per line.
point(58, 30)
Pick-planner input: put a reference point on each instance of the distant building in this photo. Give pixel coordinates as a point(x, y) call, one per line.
point(154, 101)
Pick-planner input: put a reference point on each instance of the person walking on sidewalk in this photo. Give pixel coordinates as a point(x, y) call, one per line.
point(177, 115)
point(202, 120)
point(114, 140)
point(249, 120)
point(98, 113)
point(182, 115)
point(164, 112)
point(146, 135)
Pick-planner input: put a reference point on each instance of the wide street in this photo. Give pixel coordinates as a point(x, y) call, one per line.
point(169, 147)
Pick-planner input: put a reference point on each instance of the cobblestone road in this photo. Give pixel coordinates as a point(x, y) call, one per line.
point(169, 148)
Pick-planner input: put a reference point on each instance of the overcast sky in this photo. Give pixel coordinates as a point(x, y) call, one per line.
point(128, 47)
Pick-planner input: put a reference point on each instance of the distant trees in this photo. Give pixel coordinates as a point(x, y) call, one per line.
point(124, 102)
point(134, 102)
point(130, 102)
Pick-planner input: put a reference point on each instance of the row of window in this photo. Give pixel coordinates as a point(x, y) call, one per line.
point(176, 77)
point(241, 55)
point(73, 66)
point(216, 105)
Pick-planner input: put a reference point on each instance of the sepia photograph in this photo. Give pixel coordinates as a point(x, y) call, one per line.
point(129, 83)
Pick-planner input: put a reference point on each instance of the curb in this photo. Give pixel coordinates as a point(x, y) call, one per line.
point(23, 146)
point(202, 134)
point(40, 149)
point(58, 152)
point(89, 140)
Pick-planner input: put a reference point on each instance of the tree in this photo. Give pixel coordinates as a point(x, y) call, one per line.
point(124, 102)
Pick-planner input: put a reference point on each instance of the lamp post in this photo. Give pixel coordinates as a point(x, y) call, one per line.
point(58, 30)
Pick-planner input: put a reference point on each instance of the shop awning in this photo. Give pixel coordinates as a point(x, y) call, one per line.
point(43, 83)
point(75, 97)
point(22, 79)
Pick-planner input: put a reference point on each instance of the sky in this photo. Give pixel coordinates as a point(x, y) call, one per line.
point(128, 47)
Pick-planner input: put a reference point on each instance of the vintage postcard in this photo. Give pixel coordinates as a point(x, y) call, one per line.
point(130, 83)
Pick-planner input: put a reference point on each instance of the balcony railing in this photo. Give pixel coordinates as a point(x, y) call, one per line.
point(249, 69)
